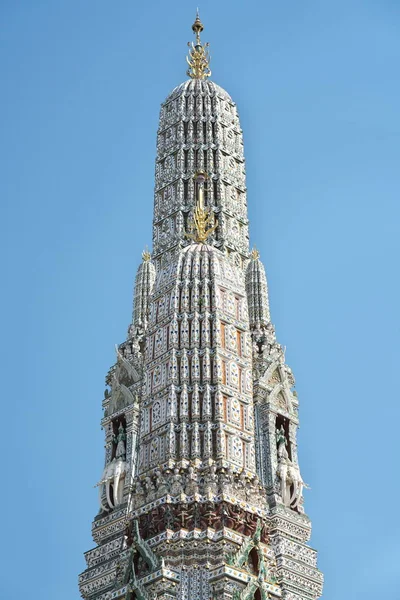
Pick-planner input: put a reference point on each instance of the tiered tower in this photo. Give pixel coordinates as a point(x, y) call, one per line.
point(201, 497)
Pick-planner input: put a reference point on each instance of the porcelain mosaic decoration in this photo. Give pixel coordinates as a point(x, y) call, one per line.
point(201, 497)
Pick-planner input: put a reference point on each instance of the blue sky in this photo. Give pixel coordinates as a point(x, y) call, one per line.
point(318, 92)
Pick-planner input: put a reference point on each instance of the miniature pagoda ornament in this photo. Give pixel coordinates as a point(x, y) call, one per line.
point(201, 495)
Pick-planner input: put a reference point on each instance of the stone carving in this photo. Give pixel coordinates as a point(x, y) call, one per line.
point(119, 440)
point(265, 573)
point(211, 481)
point(176, 484)
point(281, 443)
point(125, 365)
point(192, 487)
point(148, 563)
point(199, 515)
point(121, 396)
point(289, 474)
point(191, 481)
point(161, 483)
point(112, 481)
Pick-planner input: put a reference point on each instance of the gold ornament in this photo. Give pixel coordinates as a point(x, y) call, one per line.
point(203, 223)
point(199, 58)
point(146, 254)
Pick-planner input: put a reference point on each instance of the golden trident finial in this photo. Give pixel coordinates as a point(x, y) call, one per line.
point(198, 59)
point(203, 223)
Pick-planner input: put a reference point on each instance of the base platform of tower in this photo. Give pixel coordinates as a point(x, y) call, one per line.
point(201, 497)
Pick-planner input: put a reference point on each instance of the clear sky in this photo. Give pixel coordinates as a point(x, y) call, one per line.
point(318, 90)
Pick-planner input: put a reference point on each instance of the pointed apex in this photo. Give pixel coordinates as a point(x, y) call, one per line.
point(198, 59)
point(255, 254)
point(197, 27)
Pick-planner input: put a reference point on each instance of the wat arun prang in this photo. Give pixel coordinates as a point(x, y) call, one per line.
point(201, 497)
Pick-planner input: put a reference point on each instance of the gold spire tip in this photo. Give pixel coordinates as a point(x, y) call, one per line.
point(255, 254)
point(197, 26)
point(198, 58)
point(146, 256)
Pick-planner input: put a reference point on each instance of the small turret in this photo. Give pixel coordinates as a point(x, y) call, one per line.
point(257, 292)
point(144, 283)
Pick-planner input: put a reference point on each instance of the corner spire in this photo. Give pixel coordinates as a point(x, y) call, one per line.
point(198, 58)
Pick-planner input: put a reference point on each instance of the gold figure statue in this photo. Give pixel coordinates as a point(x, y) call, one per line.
point(203, 223)
point(199, 58)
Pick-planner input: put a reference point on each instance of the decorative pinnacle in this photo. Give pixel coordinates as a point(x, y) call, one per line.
point(197, 27)
point(203, 223)
point(199, 58)
point(146, 256)
point(255, 254)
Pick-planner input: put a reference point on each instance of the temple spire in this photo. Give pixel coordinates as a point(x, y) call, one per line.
point(198, 58)
point(201, 494)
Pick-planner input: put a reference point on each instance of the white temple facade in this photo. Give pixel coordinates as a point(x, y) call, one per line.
point(201, 497)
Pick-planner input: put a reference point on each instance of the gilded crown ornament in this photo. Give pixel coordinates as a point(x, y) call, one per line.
point(203, 223)
point(146, 256)
point(199, 58)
